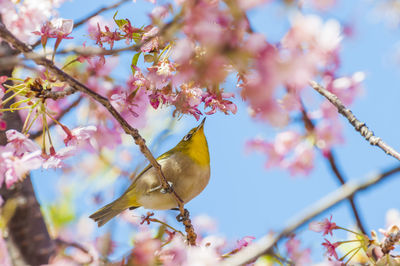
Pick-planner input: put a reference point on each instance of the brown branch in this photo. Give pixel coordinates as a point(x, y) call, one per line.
point(7, 36)
point(266, 243)
point(340, 177)
point(358, 125)
point(309, 125)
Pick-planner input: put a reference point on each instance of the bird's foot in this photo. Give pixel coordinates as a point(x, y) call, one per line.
point(183, 217)
point(163, 190)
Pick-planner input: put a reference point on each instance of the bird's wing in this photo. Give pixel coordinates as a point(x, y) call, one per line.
point(148, 167)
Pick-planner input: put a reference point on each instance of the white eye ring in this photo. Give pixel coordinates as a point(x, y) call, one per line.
point(187, 137)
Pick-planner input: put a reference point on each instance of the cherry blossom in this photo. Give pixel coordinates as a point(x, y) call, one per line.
point(20, 143)
point(326, 226)
point(331, 248)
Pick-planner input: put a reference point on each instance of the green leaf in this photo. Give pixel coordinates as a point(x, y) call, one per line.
point(119, 22)
point(135, 60)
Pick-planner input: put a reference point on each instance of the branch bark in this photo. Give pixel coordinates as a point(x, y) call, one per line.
point(357, 124)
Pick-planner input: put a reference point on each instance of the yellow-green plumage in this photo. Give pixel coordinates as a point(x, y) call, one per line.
point(186, 166)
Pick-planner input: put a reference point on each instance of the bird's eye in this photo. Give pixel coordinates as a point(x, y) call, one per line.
point(187, 137)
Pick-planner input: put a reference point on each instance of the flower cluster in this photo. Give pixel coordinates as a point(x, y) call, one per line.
point(22, 155)
point(361, 248)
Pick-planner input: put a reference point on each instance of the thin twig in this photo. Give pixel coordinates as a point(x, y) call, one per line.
point(64, 243)
point(309, 125)
point(358, 125)
point(266, 243)
point(7, 36)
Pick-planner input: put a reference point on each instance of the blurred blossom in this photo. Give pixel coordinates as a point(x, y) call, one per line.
point(322, 5)
point(328, 134)
point(24, 17)
point(20, 143)
point(204, 224)
point(14, 168)
point(300, 257)
point(145, 248)
point(244, 242)
point(5, 259)
point(248, 4)
point(302, 161)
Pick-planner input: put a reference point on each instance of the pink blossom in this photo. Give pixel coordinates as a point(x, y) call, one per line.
point(273, 157)
point(24, 17)
point(182, 51)
point(175, 253)
point(204, 223)
point(328, 134)
point(99, 67)
point(323, 5)
point(331, 248)
point(5, 259)
point(286, 141)
point(244, 242)
point(58, 28)
point(56, 160)
point(299, 256)
point(302, 161)
point(145, 248)
point(249, 4)
point(345, 88)
point(14, 168)
point(218, 101)
point(20, 142)
point(326, 226)
point(151, 40)
point(79, 136)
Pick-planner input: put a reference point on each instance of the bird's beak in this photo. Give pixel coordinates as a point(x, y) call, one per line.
point(201, 124)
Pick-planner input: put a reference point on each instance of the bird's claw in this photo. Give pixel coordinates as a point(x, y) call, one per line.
point(167, 190)
point(163, 190)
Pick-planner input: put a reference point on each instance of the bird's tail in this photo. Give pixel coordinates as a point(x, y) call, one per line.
point(109, 211)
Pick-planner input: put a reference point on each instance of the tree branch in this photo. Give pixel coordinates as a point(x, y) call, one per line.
point(358, 125)
point(266, 243)
point(6, 35)
point(309, 125)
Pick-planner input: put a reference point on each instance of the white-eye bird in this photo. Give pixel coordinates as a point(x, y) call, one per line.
point(186, 168)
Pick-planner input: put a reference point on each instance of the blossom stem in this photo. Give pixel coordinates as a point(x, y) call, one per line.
point(351, 231)
point(12, 96)
point(165, 224)
point(33, 120)
point(356, 250)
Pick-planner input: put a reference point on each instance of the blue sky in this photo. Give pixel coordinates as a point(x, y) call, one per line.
point(244, 197)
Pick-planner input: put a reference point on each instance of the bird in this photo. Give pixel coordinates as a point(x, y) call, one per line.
point(186, 168)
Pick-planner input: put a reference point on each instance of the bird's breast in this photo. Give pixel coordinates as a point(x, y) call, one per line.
point(188, 180)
